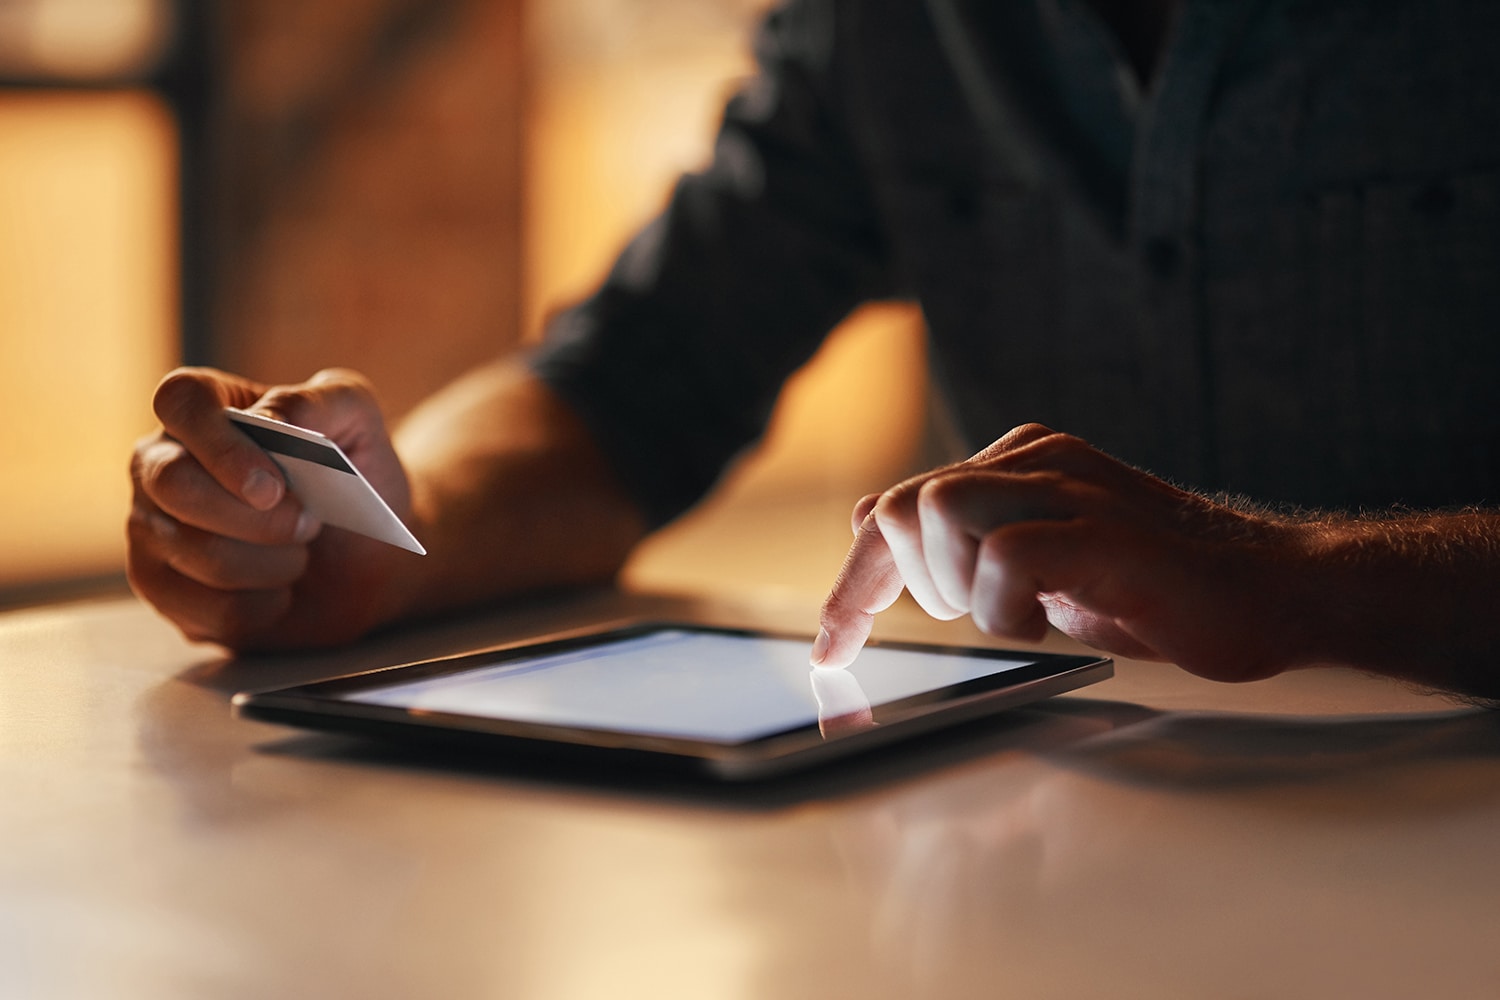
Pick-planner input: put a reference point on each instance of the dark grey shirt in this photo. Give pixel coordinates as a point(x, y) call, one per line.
point(1273, 272)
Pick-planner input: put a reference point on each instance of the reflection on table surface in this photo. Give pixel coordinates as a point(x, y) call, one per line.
point(1320, 834)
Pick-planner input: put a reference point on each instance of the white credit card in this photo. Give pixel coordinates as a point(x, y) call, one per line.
point(324, 480)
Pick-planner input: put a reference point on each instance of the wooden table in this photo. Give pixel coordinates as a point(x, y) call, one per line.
point(1316, 835)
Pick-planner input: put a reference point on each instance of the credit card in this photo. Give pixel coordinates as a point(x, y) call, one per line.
point(321, 476)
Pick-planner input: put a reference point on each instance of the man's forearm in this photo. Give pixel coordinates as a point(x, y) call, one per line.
point(509, 494)
point(1410, 597)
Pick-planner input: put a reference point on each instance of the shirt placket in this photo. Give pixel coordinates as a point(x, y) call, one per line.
point(1163, 229)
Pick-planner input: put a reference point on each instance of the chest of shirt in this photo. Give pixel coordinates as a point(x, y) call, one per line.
point(1306, 235)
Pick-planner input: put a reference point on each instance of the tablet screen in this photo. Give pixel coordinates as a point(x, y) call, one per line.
point(698, 685)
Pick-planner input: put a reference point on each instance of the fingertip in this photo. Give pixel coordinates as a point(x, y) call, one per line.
point(819, 651)
point(868, 583)
point(836, 648)
point(307, 528)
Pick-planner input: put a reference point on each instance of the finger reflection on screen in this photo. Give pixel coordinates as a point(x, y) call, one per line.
point(842, 705)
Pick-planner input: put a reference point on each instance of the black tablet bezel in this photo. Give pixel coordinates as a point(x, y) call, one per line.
point(321, 705)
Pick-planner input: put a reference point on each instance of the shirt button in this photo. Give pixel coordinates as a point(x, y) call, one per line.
point(1163, 256)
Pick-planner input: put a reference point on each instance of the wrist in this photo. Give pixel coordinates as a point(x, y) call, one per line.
point(1288, 571)
point(1322, 594)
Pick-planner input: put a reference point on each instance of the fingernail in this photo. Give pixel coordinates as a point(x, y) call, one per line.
point(820, 648)
point(307, 528)
point(261, 490)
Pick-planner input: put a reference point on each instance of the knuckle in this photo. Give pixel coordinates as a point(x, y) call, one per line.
point(173, 475)
point(896, 510)
point(343, 380)
point(213, 566)
point(143, 447)
point(228, 564)
point(1004, 545)
point(1019, 436)
point(1067, 444)
point(1029, 443)
point(939, 495)
point(1031, 431)
point(1049, 444)
point(284, 402)
point(231, 620)
point(329, 388)
point(138, 530)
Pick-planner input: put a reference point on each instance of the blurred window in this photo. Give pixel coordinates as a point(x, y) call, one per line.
point(82, 41)
point(88, 168)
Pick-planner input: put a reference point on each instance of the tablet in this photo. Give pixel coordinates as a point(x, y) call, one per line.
point(732, 704)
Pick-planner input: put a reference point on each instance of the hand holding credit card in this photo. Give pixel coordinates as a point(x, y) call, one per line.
point(323, 479)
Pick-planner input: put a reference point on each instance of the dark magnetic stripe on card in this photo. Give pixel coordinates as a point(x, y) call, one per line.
point(278, 443)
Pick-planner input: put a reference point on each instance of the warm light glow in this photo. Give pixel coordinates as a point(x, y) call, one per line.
point(87, 263)
point(626, 97)
point(82, 39)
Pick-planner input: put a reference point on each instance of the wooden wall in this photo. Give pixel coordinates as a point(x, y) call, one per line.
point(365, 182)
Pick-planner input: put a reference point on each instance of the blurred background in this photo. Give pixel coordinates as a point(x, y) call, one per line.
point(406, 187)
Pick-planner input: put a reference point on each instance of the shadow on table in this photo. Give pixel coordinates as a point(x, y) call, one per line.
point(1114, 741)
point(184, 732)
point(1199, 750)
point(1028, 731)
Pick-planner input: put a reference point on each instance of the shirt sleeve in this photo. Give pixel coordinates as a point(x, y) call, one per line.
point(676, 361)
